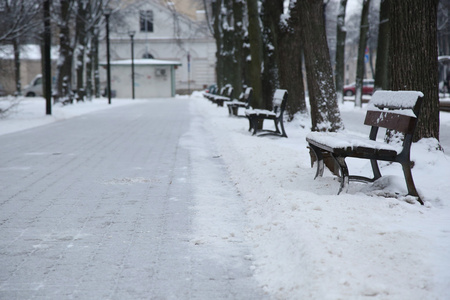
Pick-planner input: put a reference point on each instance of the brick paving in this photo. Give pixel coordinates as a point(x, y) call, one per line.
point(103, 206)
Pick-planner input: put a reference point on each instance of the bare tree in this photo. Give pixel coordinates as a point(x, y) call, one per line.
point(18, 21)
point(325, 115)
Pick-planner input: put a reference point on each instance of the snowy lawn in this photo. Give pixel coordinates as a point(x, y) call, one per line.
point(308, 242)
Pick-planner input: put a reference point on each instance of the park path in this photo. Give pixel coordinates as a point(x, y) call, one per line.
point(111, 205)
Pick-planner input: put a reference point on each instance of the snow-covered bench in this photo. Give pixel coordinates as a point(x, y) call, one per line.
point(243, 101)
point(211, 93)
point(255, 116)
point(225, 95)
point(393, 110)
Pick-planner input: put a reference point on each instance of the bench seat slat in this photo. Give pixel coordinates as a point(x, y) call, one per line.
point(340, 143)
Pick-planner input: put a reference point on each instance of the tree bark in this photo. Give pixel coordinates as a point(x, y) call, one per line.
point(256, 46)
point(238, 57)
point(413, 58)
point(64, 67)
point(340, 51)
point(16, 47)
point(325, 115)
point(272, 10)
point(227, 54)
point(360, 66)
point(291, 66)
point(81, 18)
point(382, 64)
point(216, 15)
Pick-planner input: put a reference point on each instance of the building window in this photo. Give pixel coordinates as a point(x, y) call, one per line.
point(146, 20)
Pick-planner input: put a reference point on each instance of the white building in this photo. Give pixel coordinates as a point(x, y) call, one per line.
point(163, 33)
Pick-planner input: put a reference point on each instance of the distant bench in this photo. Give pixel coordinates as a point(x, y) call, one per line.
point(243, 101)
point(401, 114)
point(276, 115)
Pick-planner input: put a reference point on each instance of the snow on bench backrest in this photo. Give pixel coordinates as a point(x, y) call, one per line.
point(248, 91)
point(278, 97)
point(395, 99)
point(400, 115)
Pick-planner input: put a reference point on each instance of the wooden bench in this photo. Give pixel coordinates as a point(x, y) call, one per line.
point(391, 110)
point(256, 117)
point(243, 101)
point(211, 93)
point(226, 95)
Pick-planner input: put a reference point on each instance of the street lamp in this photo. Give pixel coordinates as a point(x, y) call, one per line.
point(107, 13)
point(131, 33)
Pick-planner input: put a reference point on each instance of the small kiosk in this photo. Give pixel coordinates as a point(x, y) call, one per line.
point(153, 78)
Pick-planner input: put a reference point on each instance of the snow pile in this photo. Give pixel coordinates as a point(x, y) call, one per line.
point(310, 243)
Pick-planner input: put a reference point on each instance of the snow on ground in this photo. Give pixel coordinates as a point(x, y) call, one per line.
point(27, 113)
point(308, 242)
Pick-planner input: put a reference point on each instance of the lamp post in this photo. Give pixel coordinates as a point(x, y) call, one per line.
point(107, 13)
point(47, 59)
point(131, 33)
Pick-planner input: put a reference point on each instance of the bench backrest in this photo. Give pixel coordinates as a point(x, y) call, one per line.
point(279, 101)
point(248, 93)
point(229, 92)
point(394, 110)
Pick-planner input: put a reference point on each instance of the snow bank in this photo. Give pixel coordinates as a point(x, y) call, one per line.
point(310, 243)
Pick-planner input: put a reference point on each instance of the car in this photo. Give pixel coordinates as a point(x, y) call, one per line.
point(367, 89)
point(34, 88)
point(211, 89)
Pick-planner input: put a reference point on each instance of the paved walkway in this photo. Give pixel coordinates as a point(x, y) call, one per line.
point(106, 206)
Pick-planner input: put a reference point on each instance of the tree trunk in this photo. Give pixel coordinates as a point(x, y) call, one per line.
point(89, 65)
point(340, 51)
point(228, 37)
point(238, 59)
point(413, 58)
point(216, 14)
point(290, 66)
point(16, 47)
point(325, 115)
point(64, 67)
point(272, 10)
point(360, 66)
point(80, 50)
point(96, 63)
point(256, 46)
point(382, 64)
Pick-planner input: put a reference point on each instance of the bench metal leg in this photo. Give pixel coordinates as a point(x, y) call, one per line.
point(249, 123)
point(319, 158)
point(375, 169)
point(344, 173)
point(406, 166)
point(283, 132)
point(255, 123)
